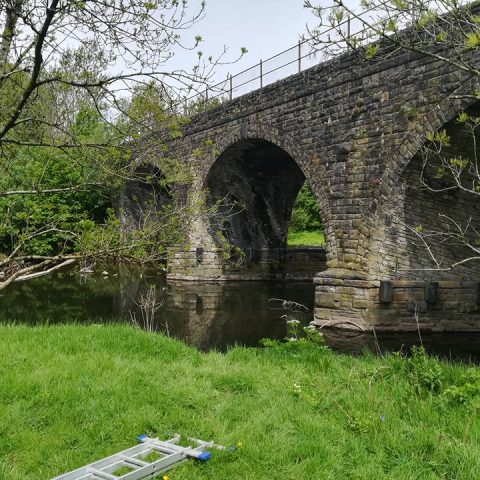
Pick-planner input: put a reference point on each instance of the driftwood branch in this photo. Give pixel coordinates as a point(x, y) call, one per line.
point(23, 271)
point(75, 188)
point(46, 272)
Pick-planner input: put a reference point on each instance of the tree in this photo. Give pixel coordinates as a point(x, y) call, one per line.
point(447, 31)
point(79, 80)
point(305, 215)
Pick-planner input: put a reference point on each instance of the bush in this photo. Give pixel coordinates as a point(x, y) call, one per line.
point(305, 214)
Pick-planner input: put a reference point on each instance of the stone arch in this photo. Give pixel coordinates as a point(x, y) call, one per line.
point(252, 131)
point(409, 205)
point(432, 121)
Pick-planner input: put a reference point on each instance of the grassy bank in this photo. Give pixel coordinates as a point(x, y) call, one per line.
point(310, 238)
point(70, 395)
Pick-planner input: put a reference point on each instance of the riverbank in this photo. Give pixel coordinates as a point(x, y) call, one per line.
point(72, 394)
point(310, 238)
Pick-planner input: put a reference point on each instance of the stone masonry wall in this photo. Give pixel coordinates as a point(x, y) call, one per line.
point(292, 263)
point(344, 124)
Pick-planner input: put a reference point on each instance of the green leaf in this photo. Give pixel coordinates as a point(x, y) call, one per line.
point(371, 50)
point(472, 40)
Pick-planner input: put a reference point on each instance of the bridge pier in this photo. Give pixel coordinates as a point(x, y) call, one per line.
point(351, 300)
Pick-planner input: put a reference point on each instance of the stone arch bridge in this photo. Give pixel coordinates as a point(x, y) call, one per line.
point(351, 129)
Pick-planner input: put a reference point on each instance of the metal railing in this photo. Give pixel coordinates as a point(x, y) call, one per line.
point(288, 62)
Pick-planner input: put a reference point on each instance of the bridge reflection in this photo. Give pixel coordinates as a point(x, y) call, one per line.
point(218, 315)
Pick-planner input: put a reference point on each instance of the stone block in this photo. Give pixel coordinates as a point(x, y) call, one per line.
point(361, 303)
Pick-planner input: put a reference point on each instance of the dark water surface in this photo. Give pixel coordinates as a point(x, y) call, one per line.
point(205, 315)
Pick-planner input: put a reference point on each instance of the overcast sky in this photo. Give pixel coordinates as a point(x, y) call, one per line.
point(264, 27)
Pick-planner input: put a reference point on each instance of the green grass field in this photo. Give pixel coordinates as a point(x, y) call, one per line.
point(314, 238)
point(72, 394)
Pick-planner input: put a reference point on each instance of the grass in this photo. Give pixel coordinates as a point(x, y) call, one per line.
point(72, 394)
point(310, 238)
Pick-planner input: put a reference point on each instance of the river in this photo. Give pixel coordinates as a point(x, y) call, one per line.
point(205, 315)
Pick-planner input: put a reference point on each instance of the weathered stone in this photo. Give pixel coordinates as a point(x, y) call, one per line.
point(340, 126)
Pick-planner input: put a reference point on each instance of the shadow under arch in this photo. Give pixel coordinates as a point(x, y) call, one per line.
point(401, 204)
point(254, 184)
point(144, 194)
point(249, 131)
point(449, 216)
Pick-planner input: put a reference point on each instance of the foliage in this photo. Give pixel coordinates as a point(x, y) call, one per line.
point(147, 243)
point(298, 332)
point(79, 83)
point(47, 224)
point(305, 238)
point(423, 373)
point(202, 104)
point(57, 201)
point(305, 214)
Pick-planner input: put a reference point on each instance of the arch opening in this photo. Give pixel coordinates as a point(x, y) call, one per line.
point(305, 227)
point(254, 185)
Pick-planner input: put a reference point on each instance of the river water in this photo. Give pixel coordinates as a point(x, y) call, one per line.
point(205, 315)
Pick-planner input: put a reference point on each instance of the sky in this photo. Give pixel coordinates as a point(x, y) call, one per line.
point(264, 27)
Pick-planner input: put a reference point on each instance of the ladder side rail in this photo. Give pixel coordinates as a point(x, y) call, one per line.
point(145, 439)
point(205, 445)
point(189, 451)
point(197, 452)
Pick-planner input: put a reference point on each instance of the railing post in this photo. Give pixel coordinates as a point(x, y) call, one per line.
point(299, 56)
point(231, 86)
point(206, 97)
point(348, 28)
point(261, 74)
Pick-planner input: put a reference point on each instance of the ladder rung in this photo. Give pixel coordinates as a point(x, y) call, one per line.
point(101, 474)
point(134, 461)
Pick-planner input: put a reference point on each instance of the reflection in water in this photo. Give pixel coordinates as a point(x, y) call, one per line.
point(454, 346)
point(205, 315)
point(216, 315)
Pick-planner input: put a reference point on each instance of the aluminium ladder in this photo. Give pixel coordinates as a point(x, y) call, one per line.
point(168, 455)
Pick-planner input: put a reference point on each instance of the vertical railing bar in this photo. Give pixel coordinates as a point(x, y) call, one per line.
point(261, 73)
point(299, 56)
point(231, 87)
